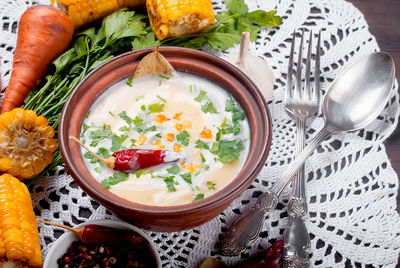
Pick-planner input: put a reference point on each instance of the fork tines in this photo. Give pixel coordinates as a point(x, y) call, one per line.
point(308, 88)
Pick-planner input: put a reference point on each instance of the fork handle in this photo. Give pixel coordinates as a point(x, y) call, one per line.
point(296, 237)
point(246, 228)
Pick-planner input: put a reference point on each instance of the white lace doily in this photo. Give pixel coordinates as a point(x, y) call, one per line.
point(351, 186)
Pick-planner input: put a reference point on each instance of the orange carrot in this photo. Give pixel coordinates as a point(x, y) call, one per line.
point(44, 33)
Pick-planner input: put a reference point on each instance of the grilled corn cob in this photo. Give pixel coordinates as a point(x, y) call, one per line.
point(19, 237)
point(26, 143)
point(179, 17)
point(83, 12)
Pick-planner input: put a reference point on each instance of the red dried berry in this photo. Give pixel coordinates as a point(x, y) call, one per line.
point(67, 259)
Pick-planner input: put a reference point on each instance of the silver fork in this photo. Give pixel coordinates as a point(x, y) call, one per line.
point(301, 103)
point(245, 230)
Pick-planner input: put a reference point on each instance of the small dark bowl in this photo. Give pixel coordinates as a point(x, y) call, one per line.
point(167, 218)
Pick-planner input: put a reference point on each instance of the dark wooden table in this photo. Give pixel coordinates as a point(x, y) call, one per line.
point(383, 18)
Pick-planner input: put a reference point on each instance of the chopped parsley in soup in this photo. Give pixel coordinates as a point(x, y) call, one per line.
point(182, 113)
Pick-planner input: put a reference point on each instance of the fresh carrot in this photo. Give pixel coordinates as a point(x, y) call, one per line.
point(44, 33)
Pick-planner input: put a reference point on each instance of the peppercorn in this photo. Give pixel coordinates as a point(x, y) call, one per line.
point(112, 260)
point(111, 256)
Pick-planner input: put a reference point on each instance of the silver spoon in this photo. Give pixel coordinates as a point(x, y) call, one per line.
point(355, 99)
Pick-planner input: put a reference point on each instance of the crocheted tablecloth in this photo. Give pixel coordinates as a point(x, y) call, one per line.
point(351, 186)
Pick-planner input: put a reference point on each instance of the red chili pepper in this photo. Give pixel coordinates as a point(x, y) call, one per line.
point(271, 258)
point(97, 234)
point(135, 159)
point(274, 254)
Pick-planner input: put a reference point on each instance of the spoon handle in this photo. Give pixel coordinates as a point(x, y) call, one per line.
point(245, 230)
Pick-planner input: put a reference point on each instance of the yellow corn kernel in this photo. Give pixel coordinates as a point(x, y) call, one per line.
point(155, 142)
point(141, 139)
point(170, 137)
point(179, 126)
point(5, 163)
point(193, 167)
point(19, 237)
point(177, 148)
point(177, 116)
point(206, 133)
point(160, 118)
point(183, 164)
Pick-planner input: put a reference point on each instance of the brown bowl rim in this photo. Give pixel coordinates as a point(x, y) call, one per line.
point(110, 199)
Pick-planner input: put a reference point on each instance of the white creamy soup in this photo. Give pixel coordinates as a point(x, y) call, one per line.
point(183, 113)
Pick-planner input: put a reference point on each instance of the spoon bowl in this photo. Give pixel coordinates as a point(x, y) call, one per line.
point(360, 93)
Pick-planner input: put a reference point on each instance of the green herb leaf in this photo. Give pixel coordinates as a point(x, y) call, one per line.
point(183, 137)
point(133, 143)
point(144, 41)
point(222, 41)
point(158, 135)
point(163, 76)
point(229, 151)
point(203, 159)
point(149, 129)
point(237, 6)
point(198, 197)
point(141, 172)
point(208, 108)
point(118, 177)
point(214, 148)
point(162, 99)
point(174, 169)
point(100, 134)
point(103, 152)
point(92, 158)
point(129, 81)
point(116, 141)
point(62, 61)
point(202, 95)
point(126, 118)
point(211, 185)
point(155, 108)
point(238, 115)
point(170, 183)
point(245, 25)
point(230, 105)
point(264, 18)
point(137, 120)
point(121, 24)
point(202, 144)
point(84, 129)
point(105, 184)
point(187, 177)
